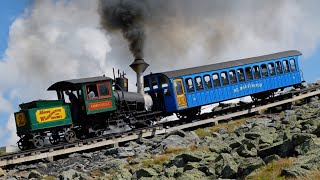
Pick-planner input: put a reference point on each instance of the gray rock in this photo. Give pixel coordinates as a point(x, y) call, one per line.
point(175, 141)
point(34, 174)
point(294, 171)
point(170, 172)
point(114, 165)
point(87, 155)
point(309, 145)
point(177, 161)
point(189, 157)
point(146, 172)
point(222, 130)
point(249, 164)
point(244, 151)
point(192, 175)
point(226, 166)
point(2, 172)
point(176, 132)
point(271, 158)
point(73, 174)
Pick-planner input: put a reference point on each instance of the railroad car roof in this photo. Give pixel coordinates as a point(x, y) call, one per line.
point(71, 84)
point(228, 64)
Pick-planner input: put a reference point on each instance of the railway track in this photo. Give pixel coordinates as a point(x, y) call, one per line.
point(162, 128)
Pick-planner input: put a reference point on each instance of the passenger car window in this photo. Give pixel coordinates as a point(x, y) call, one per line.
point(292, 65)
point(154, 82)
point(224, 78)
point(240, 75)
point(286, 66)
point(199, 85)
point(256, 72)
point(146, 84)
point(232, 75)
point(189, 84)
point(279, 67)
point(271, 69)
point(163, 81)
point(264, 70)
point(207, 81)
point(249, 74)
point(216, 80)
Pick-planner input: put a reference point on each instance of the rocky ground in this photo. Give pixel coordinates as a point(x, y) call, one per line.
point(233, 152)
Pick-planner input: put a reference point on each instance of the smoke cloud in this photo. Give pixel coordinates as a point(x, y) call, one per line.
point(128, 17)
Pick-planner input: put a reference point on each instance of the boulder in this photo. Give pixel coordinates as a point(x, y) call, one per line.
point(271, 158)
point(226, 166)
point(189, 157)
point(176, 132)
point(146, 172)
point(34, 174)
point(192, 175)
point(73, 174)
point(170, 172)
point(309, 145)
point(244, 151)
point(249, 164)
point(2, 172)
point(294, 172)
point(114, 165)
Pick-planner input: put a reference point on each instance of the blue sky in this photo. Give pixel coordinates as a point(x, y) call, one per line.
point(77, 39)
point(9, 10)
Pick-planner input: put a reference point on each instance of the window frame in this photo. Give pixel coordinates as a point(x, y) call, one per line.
point(195, 80)
point(234, 76)
point(251, 72)
point(294, 63)
point(187, 85)
point(287, 62)
point(227, 78)
point(254, 74)
point(218, 78)
point(210, 81)
point(263, 75)
point(281, 67)
point(243, 75)
point(98, 91)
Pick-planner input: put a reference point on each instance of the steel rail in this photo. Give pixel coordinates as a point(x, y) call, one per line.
point(165, 127)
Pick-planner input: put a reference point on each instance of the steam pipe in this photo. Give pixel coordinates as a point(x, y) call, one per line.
point(139, 66)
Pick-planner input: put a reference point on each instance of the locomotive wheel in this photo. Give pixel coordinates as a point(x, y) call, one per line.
point(23, 143)
point(99, 133)
point(38, 141)
point(70, 136)
point(54, 138)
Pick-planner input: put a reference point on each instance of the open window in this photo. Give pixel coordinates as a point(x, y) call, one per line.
point(163, 81)
point(256, 72)
point(292, 65)
point(216, 80)
point(285, 66)
point(264, 70)
point(272, 70)
point(146, 84)
point(207, 81)
point(249, 74)
point(224, 78)
point(241, 75)
point(198, 81)
point(154, 82)
point(189, 83)
point(232, 75)
point(279, 67)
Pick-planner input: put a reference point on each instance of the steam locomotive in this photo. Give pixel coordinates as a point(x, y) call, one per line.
point(98, 105)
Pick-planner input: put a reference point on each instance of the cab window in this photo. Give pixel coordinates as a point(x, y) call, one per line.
point(189, 84)
point(97, 91)
point(216, 80)
point(198, 82)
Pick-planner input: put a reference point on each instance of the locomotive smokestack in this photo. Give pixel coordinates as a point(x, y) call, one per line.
point(139, 66)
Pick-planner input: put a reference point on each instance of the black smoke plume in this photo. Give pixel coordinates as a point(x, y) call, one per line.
point(128, 17)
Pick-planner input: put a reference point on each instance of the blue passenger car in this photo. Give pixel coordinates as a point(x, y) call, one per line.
point(186, 90)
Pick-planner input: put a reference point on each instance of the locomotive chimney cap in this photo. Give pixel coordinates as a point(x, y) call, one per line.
point(139, 65)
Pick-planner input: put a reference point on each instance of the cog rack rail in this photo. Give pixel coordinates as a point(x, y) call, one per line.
point(165, 127)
